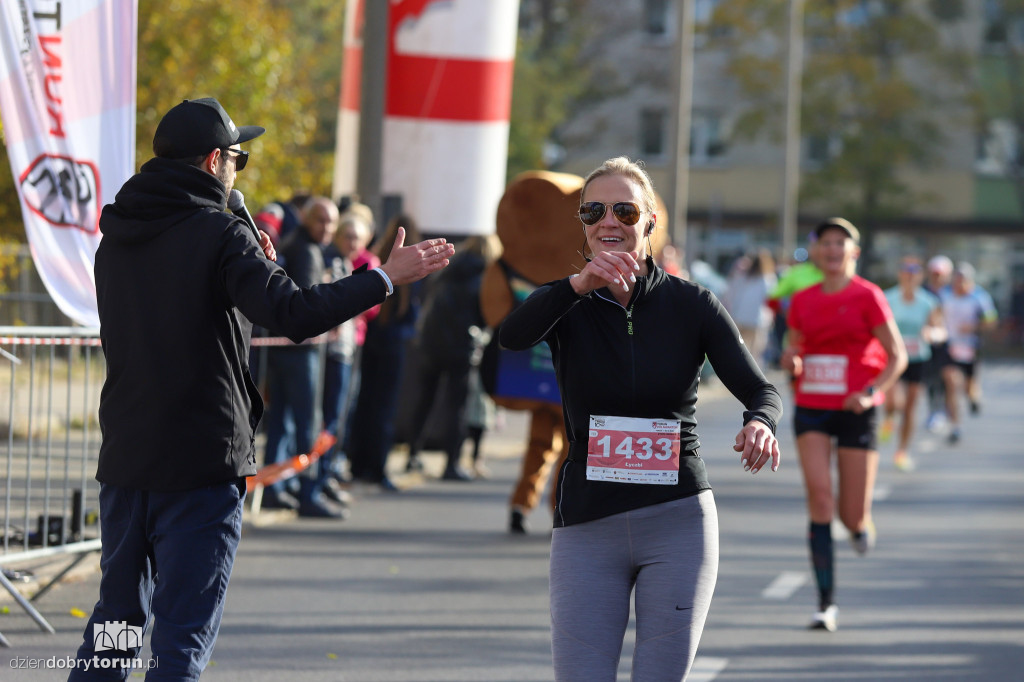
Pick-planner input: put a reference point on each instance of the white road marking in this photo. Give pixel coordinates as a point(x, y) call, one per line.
point(706, 668)
point(784, 585)
point(882, 492)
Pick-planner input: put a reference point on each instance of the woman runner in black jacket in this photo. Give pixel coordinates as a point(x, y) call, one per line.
point(634, 505)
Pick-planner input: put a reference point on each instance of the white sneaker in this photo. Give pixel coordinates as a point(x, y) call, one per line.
point(864, 542)
point(826, 620)
point(936, 421)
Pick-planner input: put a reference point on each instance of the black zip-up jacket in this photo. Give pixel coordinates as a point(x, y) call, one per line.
point(643, 360)
point(179, 283)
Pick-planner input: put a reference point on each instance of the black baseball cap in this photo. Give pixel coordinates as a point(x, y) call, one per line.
point(840, 224)
point(196, 127)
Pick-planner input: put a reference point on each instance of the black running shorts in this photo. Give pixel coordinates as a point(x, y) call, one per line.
point(914, 373)
point(850, 430)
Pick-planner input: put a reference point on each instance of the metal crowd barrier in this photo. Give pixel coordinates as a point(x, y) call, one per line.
point(49, 493)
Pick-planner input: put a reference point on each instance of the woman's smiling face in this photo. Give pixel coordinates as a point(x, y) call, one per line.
point(609, 233)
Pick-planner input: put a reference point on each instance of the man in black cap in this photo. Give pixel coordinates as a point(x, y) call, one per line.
point(179, 284)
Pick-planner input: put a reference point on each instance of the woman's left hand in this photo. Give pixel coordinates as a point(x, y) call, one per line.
point(757, 445)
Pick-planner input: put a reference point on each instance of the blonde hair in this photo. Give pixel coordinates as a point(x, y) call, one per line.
point(361, 213)
point(632, 170)
point(487, 246)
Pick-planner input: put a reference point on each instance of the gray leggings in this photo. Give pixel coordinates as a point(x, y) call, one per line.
point(669, 552)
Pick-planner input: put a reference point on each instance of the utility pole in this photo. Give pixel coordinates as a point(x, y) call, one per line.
point(371, 105)
point(791, 172)
point(683, 82)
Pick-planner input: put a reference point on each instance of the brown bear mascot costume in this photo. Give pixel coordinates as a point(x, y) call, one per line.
point(543, 240)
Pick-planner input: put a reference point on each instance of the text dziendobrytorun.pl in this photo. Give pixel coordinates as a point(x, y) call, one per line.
point(71, 663)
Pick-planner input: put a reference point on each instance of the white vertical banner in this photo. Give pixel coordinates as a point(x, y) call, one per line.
point(449, 96)
point(67, 98)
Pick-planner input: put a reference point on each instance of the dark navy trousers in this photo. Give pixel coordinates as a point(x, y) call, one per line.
point(166, 557)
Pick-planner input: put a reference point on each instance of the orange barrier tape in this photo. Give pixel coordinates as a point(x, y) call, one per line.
point(280, 471)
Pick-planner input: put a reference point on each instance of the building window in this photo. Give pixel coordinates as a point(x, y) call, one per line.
point(656, 17)
point(653, 130)
point(707, 139)
point(999, 148)
point(703, 10)
point(820, 149)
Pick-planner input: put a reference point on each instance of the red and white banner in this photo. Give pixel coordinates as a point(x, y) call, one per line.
point(346, 155)
point(67, 97)
point(449, 96)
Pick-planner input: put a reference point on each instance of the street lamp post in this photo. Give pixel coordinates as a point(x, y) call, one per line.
point(791, 172)
point(680, 166)
point(371, 105)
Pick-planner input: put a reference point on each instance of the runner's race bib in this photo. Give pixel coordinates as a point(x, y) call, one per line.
point(825, 374)
point(913, 345)
point(962, 352)
point(633, 450)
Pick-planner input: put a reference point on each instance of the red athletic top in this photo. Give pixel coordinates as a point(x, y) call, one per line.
point(840, 354)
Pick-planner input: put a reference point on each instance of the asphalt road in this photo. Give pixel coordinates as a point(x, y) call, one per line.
point(427, 586)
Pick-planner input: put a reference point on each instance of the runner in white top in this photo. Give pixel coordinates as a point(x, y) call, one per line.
point(968, 310)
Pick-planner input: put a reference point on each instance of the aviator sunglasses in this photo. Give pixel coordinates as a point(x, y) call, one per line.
point(626, 212)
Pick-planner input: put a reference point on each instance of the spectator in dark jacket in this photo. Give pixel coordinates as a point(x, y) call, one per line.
point(293, 372)
point(381, 363)
point(179, 283)
point(444, 347)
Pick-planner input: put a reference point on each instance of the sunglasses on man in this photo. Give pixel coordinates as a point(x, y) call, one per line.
point(626, 212)
point(241, 157)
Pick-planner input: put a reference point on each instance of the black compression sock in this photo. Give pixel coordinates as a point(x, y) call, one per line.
point(823, 559)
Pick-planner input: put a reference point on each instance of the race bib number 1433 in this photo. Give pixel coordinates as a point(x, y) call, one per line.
point(633, 450)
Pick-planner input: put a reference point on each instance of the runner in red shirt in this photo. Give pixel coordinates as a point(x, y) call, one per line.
point(845, 351)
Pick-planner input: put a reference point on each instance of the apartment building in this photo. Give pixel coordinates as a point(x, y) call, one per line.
point(965, 202)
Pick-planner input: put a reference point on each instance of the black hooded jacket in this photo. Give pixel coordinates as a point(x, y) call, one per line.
point(179, 283)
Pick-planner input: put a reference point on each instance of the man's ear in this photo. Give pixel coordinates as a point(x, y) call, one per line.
point(213, 161)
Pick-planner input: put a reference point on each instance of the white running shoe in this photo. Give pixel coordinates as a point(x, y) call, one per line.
point(865, 541)
point(826, 620)
point(903, 462)
point(936, 421)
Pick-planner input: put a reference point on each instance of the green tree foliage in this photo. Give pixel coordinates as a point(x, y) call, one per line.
point(880, 85)
point(11, 227)
point(549, 79)
point(275, 64)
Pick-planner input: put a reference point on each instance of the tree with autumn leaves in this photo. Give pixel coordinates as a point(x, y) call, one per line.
point(275, 64)
point(869, 87)
point(881, 86)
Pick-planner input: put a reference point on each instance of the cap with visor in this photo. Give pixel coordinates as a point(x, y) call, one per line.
point(196, 127)
point(840, 224)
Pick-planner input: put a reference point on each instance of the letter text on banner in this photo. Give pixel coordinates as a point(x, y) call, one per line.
point(67, 98)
